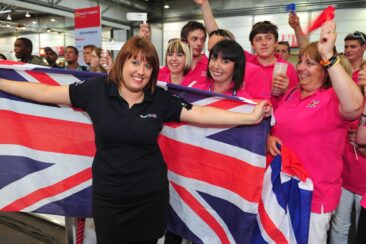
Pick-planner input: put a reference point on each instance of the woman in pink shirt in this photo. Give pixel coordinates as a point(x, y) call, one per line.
point(225, 73)
point(361, 141)
point(312, 122)
point(178, 59)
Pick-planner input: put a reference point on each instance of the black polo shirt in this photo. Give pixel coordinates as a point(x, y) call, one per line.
point(128, 160)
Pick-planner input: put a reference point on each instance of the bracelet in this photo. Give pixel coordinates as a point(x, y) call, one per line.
point(362, 121)
point(361, 145)
point(330, 62)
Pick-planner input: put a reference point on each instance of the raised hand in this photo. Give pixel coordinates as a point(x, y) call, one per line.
point(294, 20)
point(200, 2)
point(327, 40)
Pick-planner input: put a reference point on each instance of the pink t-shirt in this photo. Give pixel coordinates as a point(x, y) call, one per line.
point(164, 75)
point(291, 74)
point(363, 201)
point(355, 75)
point(199, 72)
point(315, 131)
point(354, 167)
point(208, 86)
point(255, 84)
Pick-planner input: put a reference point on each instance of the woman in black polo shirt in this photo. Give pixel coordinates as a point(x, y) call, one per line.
point(130, 186)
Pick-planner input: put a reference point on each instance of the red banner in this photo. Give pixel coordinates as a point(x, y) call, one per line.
point(87, 17)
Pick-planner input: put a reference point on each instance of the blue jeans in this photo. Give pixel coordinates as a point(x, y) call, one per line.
point(341, 221)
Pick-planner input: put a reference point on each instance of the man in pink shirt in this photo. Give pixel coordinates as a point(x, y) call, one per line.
point(264, 39)
point(354, 49)
point(194, 33)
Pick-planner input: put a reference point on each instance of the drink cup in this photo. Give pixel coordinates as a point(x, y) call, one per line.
point(279, 68)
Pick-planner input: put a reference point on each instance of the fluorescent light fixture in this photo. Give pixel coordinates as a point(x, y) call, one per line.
point(27, 14)
point(9, 17)
point(166, 6)
point(52, 19)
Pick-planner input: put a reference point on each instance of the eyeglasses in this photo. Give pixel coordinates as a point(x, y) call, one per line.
point(219, 32)
point(358, 35)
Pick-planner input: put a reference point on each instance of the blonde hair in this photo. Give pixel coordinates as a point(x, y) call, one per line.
point(177, 46)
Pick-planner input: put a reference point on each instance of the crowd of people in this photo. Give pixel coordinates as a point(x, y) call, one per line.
point(318, 106)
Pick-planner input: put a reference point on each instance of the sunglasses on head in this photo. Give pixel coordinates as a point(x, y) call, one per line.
point(176, 39)
point(358, 35)
point(219, 32)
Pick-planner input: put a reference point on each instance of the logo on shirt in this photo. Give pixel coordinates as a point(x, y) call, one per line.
point(313, 104)
point(79, 82)
point(203, 73)
point(154, 116)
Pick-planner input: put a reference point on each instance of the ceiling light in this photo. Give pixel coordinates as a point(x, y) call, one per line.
point(27, 14)
point(34, 22)
point(48, 30)
point(9, 17)
point(52, 19)
point(166, 6)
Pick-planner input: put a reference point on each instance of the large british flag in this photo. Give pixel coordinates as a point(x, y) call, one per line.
point(216, 173)
point(46, 150)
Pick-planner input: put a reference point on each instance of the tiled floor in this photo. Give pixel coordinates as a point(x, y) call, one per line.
point(20, 228)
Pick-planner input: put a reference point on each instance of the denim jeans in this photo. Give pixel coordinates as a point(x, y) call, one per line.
point(341, 221)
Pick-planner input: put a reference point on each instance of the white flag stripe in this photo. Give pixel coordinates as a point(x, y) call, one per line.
point(64, 113)
point(184, 135)
point(271, 205)
point(263, 231)
point(58, 197)
point(22, 66)
point(216, 191)
point(194, 223)
point(61, 167)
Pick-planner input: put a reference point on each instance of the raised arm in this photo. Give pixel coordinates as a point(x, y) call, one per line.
point(348, 93)
point(215, 116)
point(37, 92)
point(208, 17)
point(294, 22)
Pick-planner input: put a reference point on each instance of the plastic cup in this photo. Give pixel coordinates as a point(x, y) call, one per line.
point(279, 68)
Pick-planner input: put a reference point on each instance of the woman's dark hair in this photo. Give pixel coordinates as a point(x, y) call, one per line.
point(132, 49)
point(231, 50)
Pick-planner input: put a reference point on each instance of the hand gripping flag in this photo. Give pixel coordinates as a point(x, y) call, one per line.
point(285, 205)
point(326, 15)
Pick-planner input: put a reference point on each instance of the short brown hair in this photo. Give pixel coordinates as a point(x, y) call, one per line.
point(311, 50)
point(132, 48)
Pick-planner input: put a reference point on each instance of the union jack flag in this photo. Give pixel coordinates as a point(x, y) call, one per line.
point(216, 173)
point(46, 150)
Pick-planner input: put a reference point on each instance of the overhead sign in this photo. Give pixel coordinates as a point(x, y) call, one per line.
point(133, 16)
point(87, 29)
